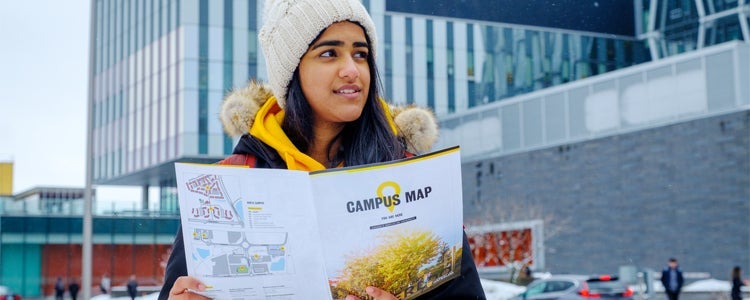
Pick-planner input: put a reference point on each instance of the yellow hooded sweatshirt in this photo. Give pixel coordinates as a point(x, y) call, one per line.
point(267, 129)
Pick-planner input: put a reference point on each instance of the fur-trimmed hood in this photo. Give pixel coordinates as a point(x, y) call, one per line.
point(416, 125)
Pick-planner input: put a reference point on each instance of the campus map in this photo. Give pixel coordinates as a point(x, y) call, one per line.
point(229, 253)
point(276, 234)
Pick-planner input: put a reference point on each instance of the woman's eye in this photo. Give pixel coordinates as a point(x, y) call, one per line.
point(328, 53)
point(361, 54)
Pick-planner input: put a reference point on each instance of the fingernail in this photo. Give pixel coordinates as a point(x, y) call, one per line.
point(370, 290)
point(201, 287)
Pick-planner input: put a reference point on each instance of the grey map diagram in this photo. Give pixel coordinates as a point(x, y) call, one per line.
point(229, 252)
point(233, 253)
point(215, 205)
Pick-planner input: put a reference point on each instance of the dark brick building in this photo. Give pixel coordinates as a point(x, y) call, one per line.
point(681, 190)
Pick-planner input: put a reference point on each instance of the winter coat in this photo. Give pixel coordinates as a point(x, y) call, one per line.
point(665, 279)
point(132, 287)
point(73, 288)
point(737, 288)
point(268, 147)
point(59, 288)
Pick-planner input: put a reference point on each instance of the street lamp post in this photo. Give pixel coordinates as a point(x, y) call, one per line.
point(88, 191)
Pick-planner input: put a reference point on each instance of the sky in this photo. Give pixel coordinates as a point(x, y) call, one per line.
point(44, 46)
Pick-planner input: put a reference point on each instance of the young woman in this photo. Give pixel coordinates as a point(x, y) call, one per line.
point(322, 111)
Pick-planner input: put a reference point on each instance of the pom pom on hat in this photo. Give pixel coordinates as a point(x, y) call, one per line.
point(291, 25)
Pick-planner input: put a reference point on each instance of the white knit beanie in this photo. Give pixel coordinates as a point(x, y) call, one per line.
point(291, 25)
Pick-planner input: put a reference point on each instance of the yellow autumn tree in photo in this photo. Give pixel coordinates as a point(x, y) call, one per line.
point(393, 265)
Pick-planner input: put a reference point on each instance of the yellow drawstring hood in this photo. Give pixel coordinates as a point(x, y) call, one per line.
point(268, 130)
point(242, 107)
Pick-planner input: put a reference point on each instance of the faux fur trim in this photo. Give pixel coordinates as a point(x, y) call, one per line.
point(240, 106)
point(416, 125)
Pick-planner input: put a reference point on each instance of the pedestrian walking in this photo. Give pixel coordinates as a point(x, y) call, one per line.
point(59, 289)
point(132, 287)
point(73, 289)
point(105, 283)
point(671, 278)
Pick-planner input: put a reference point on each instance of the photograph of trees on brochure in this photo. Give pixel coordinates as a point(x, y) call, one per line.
point(407, 263)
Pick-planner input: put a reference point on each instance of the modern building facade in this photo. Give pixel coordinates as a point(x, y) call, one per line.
point(647, 160)
point(162, 68)
point(673, 27)
point(508, 79)
point(453, 55)
point(627, 168)
point(41, 236)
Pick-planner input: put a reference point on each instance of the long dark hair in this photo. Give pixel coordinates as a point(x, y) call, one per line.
point(369, 139)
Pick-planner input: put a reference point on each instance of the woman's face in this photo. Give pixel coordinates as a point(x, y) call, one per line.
point(335, 75)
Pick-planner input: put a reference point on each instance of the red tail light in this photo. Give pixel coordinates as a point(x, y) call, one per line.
point(628, 293)
point(584, 292)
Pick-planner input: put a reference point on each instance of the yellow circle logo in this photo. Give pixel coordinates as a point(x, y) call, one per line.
point(396, 190)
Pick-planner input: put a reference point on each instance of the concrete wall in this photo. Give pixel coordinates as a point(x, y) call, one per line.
point(638, 198)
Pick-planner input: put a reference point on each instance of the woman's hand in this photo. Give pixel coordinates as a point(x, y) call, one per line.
point(182, 286)
point(376, 293)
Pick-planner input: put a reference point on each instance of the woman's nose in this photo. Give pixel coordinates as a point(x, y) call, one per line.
point(349, 69)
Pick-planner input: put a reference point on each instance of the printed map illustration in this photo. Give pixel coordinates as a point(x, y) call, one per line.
point(214, 203)
point(228, 252)
point(233, 253)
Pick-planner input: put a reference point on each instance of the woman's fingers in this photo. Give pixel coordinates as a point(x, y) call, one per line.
point(182, 287)
point(376, 293)
point(379, 294)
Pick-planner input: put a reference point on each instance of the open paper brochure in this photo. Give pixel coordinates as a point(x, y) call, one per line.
point(280, 234)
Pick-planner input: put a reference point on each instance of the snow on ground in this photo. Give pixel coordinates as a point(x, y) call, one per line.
point(153, 296)
point(711, 285)
point(498, 290)
point(703, 285)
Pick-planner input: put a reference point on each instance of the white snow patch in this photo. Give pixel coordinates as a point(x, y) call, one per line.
point(498, 290)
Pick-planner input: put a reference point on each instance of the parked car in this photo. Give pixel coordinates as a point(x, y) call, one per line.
point(7, 294)
point(576, 287)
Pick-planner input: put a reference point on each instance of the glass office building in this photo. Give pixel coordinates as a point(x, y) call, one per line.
point(672, 27)
point(161, 70)
point(163, 66)
point(630, 167)
point(453, 55)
